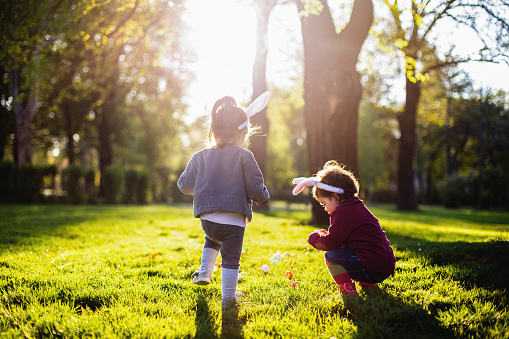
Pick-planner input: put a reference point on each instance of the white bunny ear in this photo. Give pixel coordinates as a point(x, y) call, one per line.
point(303, 182)
point(256, 106)
point(259, 104)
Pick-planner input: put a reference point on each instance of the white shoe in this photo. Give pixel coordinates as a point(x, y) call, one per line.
point(200, 278)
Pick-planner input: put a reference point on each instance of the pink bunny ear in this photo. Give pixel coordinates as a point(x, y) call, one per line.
point(256, 106)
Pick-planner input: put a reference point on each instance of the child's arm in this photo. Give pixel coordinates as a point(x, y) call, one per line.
point(188, 178)
point(315, 239)
point(253, 181)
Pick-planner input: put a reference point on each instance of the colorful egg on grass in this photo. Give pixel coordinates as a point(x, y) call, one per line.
point(265, 269)
point(276, 258)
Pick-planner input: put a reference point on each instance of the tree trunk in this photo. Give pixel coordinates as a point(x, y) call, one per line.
point(23, 117)
point(448, 137)
point(259, 142)
point(69, 132)
point(105, 130)
point(6, 119)
point(407, 199)
point(332, 89)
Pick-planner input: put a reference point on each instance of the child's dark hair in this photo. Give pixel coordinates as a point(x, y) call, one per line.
point(336, 175)
point(225, 118)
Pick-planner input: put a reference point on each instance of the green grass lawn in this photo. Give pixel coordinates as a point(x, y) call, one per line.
point(116, 271)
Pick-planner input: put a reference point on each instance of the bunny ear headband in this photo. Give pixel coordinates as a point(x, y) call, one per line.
point(303, 182)
point(255, 107)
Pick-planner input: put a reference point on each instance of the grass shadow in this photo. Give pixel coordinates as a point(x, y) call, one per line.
point(204, 320)
point(381, 315)
point(20, 224)
point(231, 325)
point(475, 264)
point(436, 215)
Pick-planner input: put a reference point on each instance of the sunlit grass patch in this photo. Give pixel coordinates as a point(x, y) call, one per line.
point(115, 271)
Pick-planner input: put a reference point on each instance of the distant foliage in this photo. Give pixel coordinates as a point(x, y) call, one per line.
point(71, 182)
point(496, 187)
point(112, 183)
point(131, 177)
point(457, 190)
point(89, 175)
point(142, 186)
point(7, 180)
point(136, 187)
point(24, 184)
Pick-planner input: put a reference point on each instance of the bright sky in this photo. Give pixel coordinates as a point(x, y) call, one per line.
point(223, 32)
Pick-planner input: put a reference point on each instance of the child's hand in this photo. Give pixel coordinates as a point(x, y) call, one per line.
point(265, 203)
point(314, 239)
point(319, 232)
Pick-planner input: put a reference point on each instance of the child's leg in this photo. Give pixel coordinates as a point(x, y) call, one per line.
point(338, 273)
point(229, 286)
point(231, 238)
point(336, 261)
point(208, 259)
point(341, 277)
point(230, 256)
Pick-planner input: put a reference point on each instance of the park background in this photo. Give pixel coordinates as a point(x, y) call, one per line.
point(103, 103)
point(106, 101)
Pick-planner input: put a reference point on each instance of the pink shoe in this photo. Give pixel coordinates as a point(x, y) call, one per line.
point(367, 286)
point(348, 289)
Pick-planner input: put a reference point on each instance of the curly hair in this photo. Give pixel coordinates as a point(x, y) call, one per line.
point(336, 175)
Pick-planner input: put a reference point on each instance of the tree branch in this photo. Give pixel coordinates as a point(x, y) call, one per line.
point(437, 17)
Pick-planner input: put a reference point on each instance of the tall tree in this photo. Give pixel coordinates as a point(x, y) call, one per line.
point(123, 64)
point(259, 142)
point(413, 30)
point(6, 115)
point(24, 25)
point(332, 86)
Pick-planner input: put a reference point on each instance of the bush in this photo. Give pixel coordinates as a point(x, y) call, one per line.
point(131, 180)
point(142, 188)
point(496, 188)
point(112, 181)
point(71, 177)
point(384, 196)
point(50, 172)
point(136, 187)
point(7, 180)
point(29, 182)
point(456, 190)
point(89, 176)
point(161, 185)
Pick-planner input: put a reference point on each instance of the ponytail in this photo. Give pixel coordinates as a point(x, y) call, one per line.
point(225, 117)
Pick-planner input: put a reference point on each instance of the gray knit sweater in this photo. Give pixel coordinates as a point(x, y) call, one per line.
point(224, 179)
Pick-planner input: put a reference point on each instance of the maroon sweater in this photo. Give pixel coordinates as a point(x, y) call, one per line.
point(354, 227)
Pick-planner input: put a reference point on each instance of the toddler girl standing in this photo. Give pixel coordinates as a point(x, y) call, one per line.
point(355, 244)
point(224, 179)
